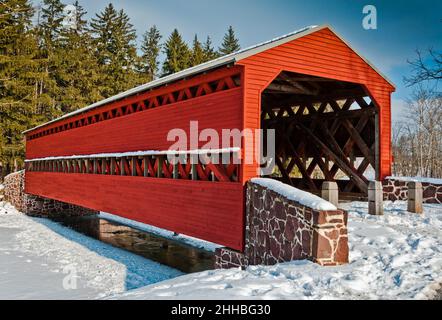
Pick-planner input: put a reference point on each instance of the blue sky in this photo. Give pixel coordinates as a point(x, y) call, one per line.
point(403, 26)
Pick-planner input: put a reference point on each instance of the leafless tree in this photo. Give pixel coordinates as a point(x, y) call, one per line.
point(425, 68)
point(417, 141)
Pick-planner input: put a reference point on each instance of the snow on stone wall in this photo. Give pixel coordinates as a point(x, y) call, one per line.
point(279, 229)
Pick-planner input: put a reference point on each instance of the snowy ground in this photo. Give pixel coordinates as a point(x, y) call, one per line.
point(398, 255)
point(395, 256)
point(40, 259)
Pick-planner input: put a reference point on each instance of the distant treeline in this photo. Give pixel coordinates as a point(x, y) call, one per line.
point(62, 62)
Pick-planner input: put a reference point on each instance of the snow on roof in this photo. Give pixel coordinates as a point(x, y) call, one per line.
point(305, 198)
point(216, 63)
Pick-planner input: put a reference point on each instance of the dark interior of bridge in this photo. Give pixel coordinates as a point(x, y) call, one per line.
point(325, 131)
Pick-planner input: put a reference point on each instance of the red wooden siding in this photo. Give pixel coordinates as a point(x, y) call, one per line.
point(146, 130)
point(321, 54)
point(211, 211)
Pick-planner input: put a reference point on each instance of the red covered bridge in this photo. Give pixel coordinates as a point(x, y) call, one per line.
point(330, 109)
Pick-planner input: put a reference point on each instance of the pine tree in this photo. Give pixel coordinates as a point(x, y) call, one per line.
point(52, 17)
point(177, 54)
point(209, 50)
point(197, 56)
point(114, 39)
point(230, 42)
point(80, 24)
point(151, 48)
point(18, 80)
point(77, 70)
point(49, 32)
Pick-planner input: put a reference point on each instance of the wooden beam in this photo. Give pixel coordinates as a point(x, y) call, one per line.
point(284, 88)
point(338, 159)
point(298, 85)
point(322, 116)
point(341, 94)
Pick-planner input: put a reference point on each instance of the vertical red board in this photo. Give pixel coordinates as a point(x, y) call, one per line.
point(211, 211)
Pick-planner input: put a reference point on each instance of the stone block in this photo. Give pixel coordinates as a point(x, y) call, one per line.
point(375, 198)
point(330, 192)
point(415, 197)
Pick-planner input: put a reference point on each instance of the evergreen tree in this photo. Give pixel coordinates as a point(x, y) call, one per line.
point(77, 70)
point(230, 42)
point(49, 31)
point(197, 56)
point(19, 76)
point(114, 39)
point(80, 24)
point(209, 50)
point(177, 54)
point(151, 48)
point(52, 18)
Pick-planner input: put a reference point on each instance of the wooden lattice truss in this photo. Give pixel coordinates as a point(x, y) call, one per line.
point(149, 166)
point(332, 133)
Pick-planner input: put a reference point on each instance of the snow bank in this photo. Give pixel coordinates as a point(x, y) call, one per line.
point(417, 179)
point(37, 254)
point(194, 242)
point(305, 198)
point(395, 256)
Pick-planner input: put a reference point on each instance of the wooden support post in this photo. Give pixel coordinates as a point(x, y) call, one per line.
point(160, 166)
point(134, 166)
point(330, 192)
point(112, 166)
point(194, 171)
point(415, 197)
point(377, 144)
point(146, 166)
point(95, 166)
point(176, 169)
point(103, 166)
point(375, 198)
point(88, 166)
point(122, 166)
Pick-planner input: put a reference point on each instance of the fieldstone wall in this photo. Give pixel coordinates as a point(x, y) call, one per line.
point(395, 190)
point(280, 230)
point(14, 189)
point(32, 205)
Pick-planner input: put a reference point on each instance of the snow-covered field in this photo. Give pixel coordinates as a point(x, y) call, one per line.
point(398, 255)
point(40, 259)
point(395, 256)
